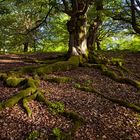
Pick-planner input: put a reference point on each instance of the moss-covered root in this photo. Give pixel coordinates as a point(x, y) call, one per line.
point(117, 101)
point(25, 103)
point(76, 119)
point(30, 87)
point(124, 80)
point(114, 76)
point(57, 79)
point(130, 81)
point(58, 134)
point(41, 98)
point(14, 81)
point(15, 99)
point(125, 104)
point(72, 63)
point(34, 135)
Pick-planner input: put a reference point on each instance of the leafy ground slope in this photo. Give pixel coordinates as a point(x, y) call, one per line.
point(104, 120)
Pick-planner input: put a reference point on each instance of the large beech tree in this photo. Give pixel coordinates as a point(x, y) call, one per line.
point(76, 26)
point(79, 39)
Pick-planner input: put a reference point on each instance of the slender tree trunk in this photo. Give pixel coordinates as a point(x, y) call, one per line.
point(77, 35)
point(98, 45)
point(93, 29)
point(26, 44)
point(92, 35)
point(133, 17)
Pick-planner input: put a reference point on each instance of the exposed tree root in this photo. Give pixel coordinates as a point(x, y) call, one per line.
point(114, 100)
point(114, 76)
point(29, 88)
point(30, 92)
point(57, 79)
point(48, 61)
point(25, 103)
point(72, 63)
point(77, 120)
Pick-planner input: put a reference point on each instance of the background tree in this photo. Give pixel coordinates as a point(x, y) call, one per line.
point(95, 21)
point(129, 12)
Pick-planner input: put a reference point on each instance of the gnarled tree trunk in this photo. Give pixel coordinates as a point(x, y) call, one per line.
point(77, 35)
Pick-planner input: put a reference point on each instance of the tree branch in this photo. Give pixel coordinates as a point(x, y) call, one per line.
point(42, 22)
point(67, 10)
point(133, 16)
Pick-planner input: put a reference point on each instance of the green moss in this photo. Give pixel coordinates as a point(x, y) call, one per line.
point(15, 99)
point(130, 81)
point(25, 103)
point(88, 82)
point(60, 66)
point(94, 59)
point(125, 104)
point(27, 69)
point(77, 120)
point(120, 102)
point(72, 62)
point(57, 79)
point(77, 85)
point(1, 106)
point(110, 74)
point(57, 107)
point(74, 117)
point(13, 81)
point(75, 60)
point(117, 61)
point(87, 89)
point(41, 98)
point(114, 76)
point(56, 67)
point(3, 76)
point(34, 135)
point(31, 83)
point(58, 134)
point(30, 86)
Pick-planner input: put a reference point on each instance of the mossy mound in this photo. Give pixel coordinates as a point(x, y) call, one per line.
point(13, 81)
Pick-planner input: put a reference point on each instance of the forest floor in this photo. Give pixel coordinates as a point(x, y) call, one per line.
point(104, 120)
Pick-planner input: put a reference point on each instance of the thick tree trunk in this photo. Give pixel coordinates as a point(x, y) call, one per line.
point(77, 35)
point(26, 44)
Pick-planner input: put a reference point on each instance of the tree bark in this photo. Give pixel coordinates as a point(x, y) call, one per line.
point(133, 17)
point(77, 35)
point(93, 29)
point(98, 45)
point(92, 35)
point(26, 44)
